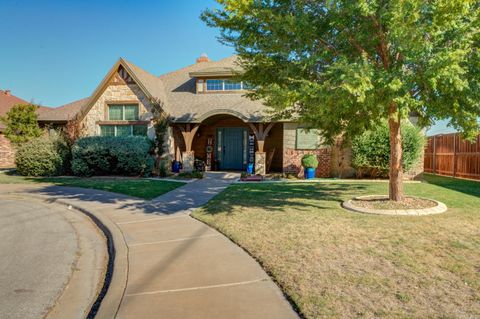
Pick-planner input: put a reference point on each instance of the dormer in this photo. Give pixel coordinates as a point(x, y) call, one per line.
point(215, 79)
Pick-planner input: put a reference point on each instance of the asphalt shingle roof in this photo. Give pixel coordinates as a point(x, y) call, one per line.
point(178, 93)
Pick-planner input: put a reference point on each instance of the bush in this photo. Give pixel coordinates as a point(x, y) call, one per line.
point(43, 156)
point(109, 155)
point(309, 161)
point(371, 150)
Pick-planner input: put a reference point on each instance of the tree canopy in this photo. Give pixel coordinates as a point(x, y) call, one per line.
point(21, 123)
point(343, 66)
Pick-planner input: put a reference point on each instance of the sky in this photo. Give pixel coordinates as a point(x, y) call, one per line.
point(54, 52)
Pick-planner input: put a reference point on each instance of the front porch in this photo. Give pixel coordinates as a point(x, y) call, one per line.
point(227, 142)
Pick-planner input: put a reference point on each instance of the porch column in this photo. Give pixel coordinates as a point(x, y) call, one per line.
point(260, 155)
point(188, 157)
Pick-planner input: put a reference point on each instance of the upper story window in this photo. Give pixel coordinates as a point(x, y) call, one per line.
point(226, 85)
point(123, 112)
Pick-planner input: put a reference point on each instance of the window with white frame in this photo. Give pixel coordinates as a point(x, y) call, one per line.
point(226, 85)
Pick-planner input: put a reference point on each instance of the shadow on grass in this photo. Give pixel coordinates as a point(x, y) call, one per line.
point(282, 196)
point(460, 185)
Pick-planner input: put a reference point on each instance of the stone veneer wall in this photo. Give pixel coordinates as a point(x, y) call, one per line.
point(118, 93)
point(7, 152)
point(292, 157)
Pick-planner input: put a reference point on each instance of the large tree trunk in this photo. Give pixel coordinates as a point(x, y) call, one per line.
point(396, 171)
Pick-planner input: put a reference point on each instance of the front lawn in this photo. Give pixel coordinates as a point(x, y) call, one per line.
point(137, 187)
point(336, 263)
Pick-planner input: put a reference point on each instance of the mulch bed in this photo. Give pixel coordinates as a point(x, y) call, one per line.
point(385, 203)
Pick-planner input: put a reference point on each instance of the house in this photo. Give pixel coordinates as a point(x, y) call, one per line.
point(210, 117)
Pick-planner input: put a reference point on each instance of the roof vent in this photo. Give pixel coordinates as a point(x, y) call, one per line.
point(203, 58)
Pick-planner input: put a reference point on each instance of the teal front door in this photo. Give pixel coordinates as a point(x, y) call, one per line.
point(231, 147)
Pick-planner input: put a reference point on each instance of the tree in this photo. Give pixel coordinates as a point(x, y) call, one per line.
point(161, 123)
point(21, 123)
point(344, 66)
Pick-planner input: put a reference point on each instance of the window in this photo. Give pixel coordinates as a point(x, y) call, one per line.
point(214, 85)
point(226, 85)
point(230, 85)
point(123, 130)
point(307, 140)
point(123, 112)
point(107, 130)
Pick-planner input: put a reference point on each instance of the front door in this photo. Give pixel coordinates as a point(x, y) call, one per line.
point(231, 148)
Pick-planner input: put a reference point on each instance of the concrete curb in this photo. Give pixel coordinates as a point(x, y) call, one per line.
point(440, 208)
point(108, 301)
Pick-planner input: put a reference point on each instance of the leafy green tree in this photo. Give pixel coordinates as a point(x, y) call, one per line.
point(343, 66)
point(21, 123)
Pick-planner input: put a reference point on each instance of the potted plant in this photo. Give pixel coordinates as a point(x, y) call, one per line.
point(310, 163)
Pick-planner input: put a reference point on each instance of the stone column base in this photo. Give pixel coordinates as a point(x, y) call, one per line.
point(188, 161)
point(260, 163)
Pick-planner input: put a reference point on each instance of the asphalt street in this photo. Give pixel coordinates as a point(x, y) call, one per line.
point(38, 250)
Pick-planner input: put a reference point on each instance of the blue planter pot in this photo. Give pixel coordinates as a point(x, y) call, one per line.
point(250, 169)
point(309, 172)
point(176, 166)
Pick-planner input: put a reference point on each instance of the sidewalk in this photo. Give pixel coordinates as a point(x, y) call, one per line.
point(177, 266)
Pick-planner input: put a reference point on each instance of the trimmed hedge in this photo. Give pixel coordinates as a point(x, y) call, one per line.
point(109, 155)
point(43, 156)
point(371, 150)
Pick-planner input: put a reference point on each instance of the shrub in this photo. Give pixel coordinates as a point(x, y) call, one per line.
point(109, 155)
point(43, 156)
point(309, 161)
point(371, 150)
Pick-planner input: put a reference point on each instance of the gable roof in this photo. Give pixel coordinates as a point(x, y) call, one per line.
point(178, 92)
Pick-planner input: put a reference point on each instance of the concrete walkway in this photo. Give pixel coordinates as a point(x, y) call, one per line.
point(177, 266)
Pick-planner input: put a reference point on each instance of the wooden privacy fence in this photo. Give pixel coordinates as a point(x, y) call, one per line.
point(451, 155)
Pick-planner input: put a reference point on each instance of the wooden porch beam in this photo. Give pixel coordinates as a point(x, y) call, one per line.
point(188, 133)
point(261, 133)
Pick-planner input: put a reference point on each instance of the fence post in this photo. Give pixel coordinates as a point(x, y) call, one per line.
point(454, 154)
point(434, 155)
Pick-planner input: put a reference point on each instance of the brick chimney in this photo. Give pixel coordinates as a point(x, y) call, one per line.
point(203, 58)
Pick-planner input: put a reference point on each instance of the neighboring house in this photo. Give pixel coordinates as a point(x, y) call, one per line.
point(211, 119)
point(7, 152)
point(47, 117)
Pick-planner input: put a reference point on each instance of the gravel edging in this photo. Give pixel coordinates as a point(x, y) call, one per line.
point(349, 205)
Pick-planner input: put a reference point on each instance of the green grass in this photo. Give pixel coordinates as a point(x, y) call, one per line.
point(334, 263)
point(136, 187)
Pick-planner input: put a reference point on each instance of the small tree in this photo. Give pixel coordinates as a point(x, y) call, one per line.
point(160, 124)
point(74, 130)
point(21, 123)
point(343, 66)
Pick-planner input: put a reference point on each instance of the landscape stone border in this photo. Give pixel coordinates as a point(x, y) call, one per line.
point(440, 208)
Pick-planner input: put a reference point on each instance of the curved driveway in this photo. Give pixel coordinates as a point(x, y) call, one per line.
point(38, 248)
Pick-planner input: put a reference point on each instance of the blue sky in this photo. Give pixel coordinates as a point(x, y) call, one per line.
point(55, 52)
